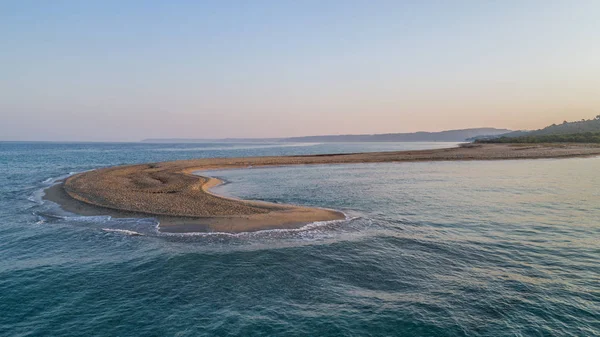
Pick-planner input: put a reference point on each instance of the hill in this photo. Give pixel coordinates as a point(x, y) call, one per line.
point(442, 136)
point(590, 125)
point(581, 137)
point(584, 131)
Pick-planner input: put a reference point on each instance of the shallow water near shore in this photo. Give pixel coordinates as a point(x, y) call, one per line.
point(490, 248)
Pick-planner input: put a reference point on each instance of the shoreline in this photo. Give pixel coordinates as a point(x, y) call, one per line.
point(179, 197)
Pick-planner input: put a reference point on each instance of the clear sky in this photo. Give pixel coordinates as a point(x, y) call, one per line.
point(128, 70)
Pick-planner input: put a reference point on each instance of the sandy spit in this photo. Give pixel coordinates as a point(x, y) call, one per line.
point(181, 201)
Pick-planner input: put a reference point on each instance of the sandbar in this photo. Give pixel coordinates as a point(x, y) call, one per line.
point(175, 194)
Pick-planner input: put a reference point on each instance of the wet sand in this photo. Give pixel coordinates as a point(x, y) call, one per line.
point(181, 201)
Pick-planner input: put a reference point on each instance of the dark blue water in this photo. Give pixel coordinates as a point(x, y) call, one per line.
point(429, 249)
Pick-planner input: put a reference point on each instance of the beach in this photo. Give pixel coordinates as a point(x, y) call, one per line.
point(178, 195)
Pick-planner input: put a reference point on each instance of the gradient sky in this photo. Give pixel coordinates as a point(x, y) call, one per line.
point(128, 70)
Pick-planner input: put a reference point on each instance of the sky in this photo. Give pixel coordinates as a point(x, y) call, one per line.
point(129, 70)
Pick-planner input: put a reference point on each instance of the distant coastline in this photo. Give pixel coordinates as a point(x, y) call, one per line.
point(180, 200)
point(442, 136)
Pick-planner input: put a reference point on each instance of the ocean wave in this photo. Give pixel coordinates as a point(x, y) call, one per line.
point(38, 195)
point(122, 231)
point(53, 180)
point(78, 218)
point(150, 227)
point(306, 228)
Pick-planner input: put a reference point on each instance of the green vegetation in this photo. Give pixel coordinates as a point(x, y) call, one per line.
point(583, 137)
point(590, 125)
point(584, 131)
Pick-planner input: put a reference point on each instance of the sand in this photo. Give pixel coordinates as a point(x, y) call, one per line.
point(182, 202)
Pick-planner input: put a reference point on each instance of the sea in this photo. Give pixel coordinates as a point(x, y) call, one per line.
point(465, 248)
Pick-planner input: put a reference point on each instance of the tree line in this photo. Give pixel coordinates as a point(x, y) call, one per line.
point(581, 137)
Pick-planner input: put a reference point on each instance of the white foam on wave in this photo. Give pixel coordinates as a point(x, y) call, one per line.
point(38, 195)
point(54, 180)
point(79, 218)
point(306, 228)
point(122, 231)
point(126, 226)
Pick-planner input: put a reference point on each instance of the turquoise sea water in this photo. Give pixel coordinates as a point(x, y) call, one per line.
point(491, 248)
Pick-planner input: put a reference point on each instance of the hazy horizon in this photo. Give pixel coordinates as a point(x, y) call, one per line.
point(107, 71)
point(238, 138)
